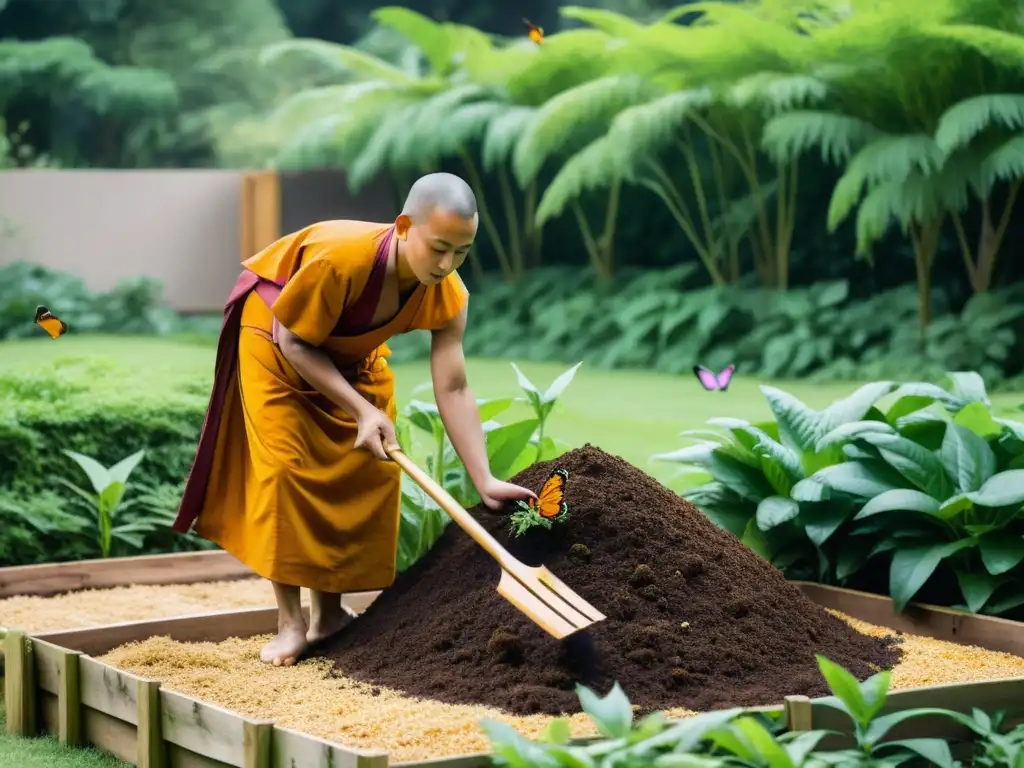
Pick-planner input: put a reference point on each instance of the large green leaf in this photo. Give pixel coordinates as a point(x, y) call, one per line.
point(798, 424)
point(1000, 490)
point(969, 386)
point(977, 588)
point(823, 520)
point(121, 471)
point(723, 506)
point(1001, 551)
point(977, 418)
point(917, 464)
point(748, 482)
point(774, 511)
point(913, 566)
point(854, 407)
point(899, 499)
point(854, 478)
point(98, 475)
point(782, 468)
point(506, 444)
point(851, 431)
point(967, 457)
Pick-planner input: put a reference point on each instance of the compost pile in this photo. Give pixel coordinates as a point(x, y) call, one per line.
point(695, 618)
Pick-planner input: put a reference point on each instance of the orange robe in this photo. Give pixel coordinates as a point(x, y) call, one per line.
point(276, 481)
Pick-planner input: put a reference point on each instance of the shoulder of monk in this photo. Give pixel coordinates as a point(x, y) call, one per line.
point(344, 237)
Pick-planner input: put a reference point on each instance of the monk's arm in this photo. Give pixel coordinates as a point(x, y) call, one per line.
point(455, 399)
point(316, 367)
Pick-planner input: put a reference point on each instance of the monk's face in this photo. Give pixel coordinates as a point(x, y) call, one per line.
point(438, 244)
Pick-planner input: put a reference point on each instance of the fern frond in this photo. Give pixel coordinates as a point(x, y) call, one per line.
point(502, 134)
point(777, 92)
point(892, 158)
point(314, 146)
point(884, 162)
point(962, 122)
point(609, 22)
point(312, 104)
point(593, 167)
point(429, 36)
point(646, 129)
point(342, 59)
point(430, 133)
point(341, 133)
point(1005, 49)
point(563, 118)
point(913, 199)
point(1005, 163)
point(383, 150)
point(791, 134)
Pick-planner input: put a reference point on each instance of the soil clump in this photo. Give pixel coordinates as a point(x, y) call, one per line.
point(695, 618)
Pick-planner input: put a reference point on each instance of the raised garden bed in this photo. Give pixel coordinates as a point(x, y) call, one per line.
point(180, 568)
point(55, 685)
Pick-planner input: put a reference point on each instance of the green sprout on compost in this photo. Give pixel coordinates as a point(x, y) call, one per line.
point(526, 518)
point(551, 502)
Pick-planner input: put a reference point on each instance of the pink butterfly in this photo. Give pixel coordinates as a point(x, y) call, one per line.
point(712, 381)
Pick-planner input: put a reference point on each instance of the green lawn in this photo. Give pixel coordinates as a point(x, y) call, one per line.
point(630, 413)
point(48, 753)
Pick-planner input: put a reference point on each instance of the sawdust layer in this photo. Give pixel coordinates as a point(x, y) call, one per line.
point(360, 715)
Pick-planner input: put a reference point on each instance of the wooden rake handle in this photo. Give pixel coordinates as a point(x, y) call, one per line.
point(454, 510)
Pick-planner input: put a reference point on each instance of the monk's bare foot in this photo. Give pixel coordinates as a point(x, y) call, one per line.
point(285, 649)
point(322, 627)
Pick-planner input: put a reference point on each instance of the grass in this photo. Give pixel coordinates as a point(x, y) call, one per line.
point(47, 752)
point(633, 414)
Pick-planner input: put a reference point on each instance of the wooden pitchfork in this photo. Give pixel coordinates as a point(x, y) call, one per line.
point(534, 591)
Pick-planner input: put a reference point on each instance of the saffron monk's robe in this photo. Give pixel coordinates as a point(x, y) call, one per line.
point(276, 480)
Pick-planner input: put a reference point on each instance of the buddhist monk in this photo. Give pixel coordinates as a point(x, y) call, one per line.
point(290, 474)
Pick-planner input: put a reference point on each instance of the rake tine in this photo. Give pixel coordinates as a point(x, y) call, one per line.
point(560, 588)
point(534, 609)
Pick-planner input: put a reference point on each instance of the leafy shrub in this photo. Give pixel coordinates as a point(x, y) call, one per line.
point(933, 485)
point(733, 737)
point(133, 306)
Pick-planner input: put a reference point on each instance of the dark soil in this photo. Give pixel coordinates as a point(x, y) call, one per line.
point(695, 619)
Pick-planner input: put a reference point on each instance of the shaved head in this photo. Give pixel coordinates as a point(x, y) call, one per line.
point(442, 192)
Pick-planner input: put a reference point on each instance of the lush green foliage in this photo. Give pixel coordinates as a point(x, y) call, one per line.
point(510, 448)
point(736, 739)
point(931, 485)
point(92, 407)
point(133, 306)
point(658, 320)
point(713, 111)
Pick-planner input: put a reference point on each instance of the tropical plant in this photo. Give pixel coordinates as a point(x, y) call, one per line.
point(918, 149)
point(732, 738)
point(100, 511)
point(934, 479)
point(508, 449)
point(543, 403)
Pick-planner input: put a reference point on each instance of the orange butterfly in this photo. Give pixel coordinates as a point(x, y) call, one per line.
point(550, 502)
point(536, 33)
point(50, 323)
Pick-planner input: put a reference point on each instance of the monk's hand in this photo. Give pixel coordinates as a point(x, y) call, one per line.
point(375, 430)
point(497, 493)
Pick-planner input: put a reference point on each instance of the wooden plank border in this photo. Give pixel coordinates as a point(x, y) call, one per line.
point(87, 701)
point(180, 568)
point(989, 632)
